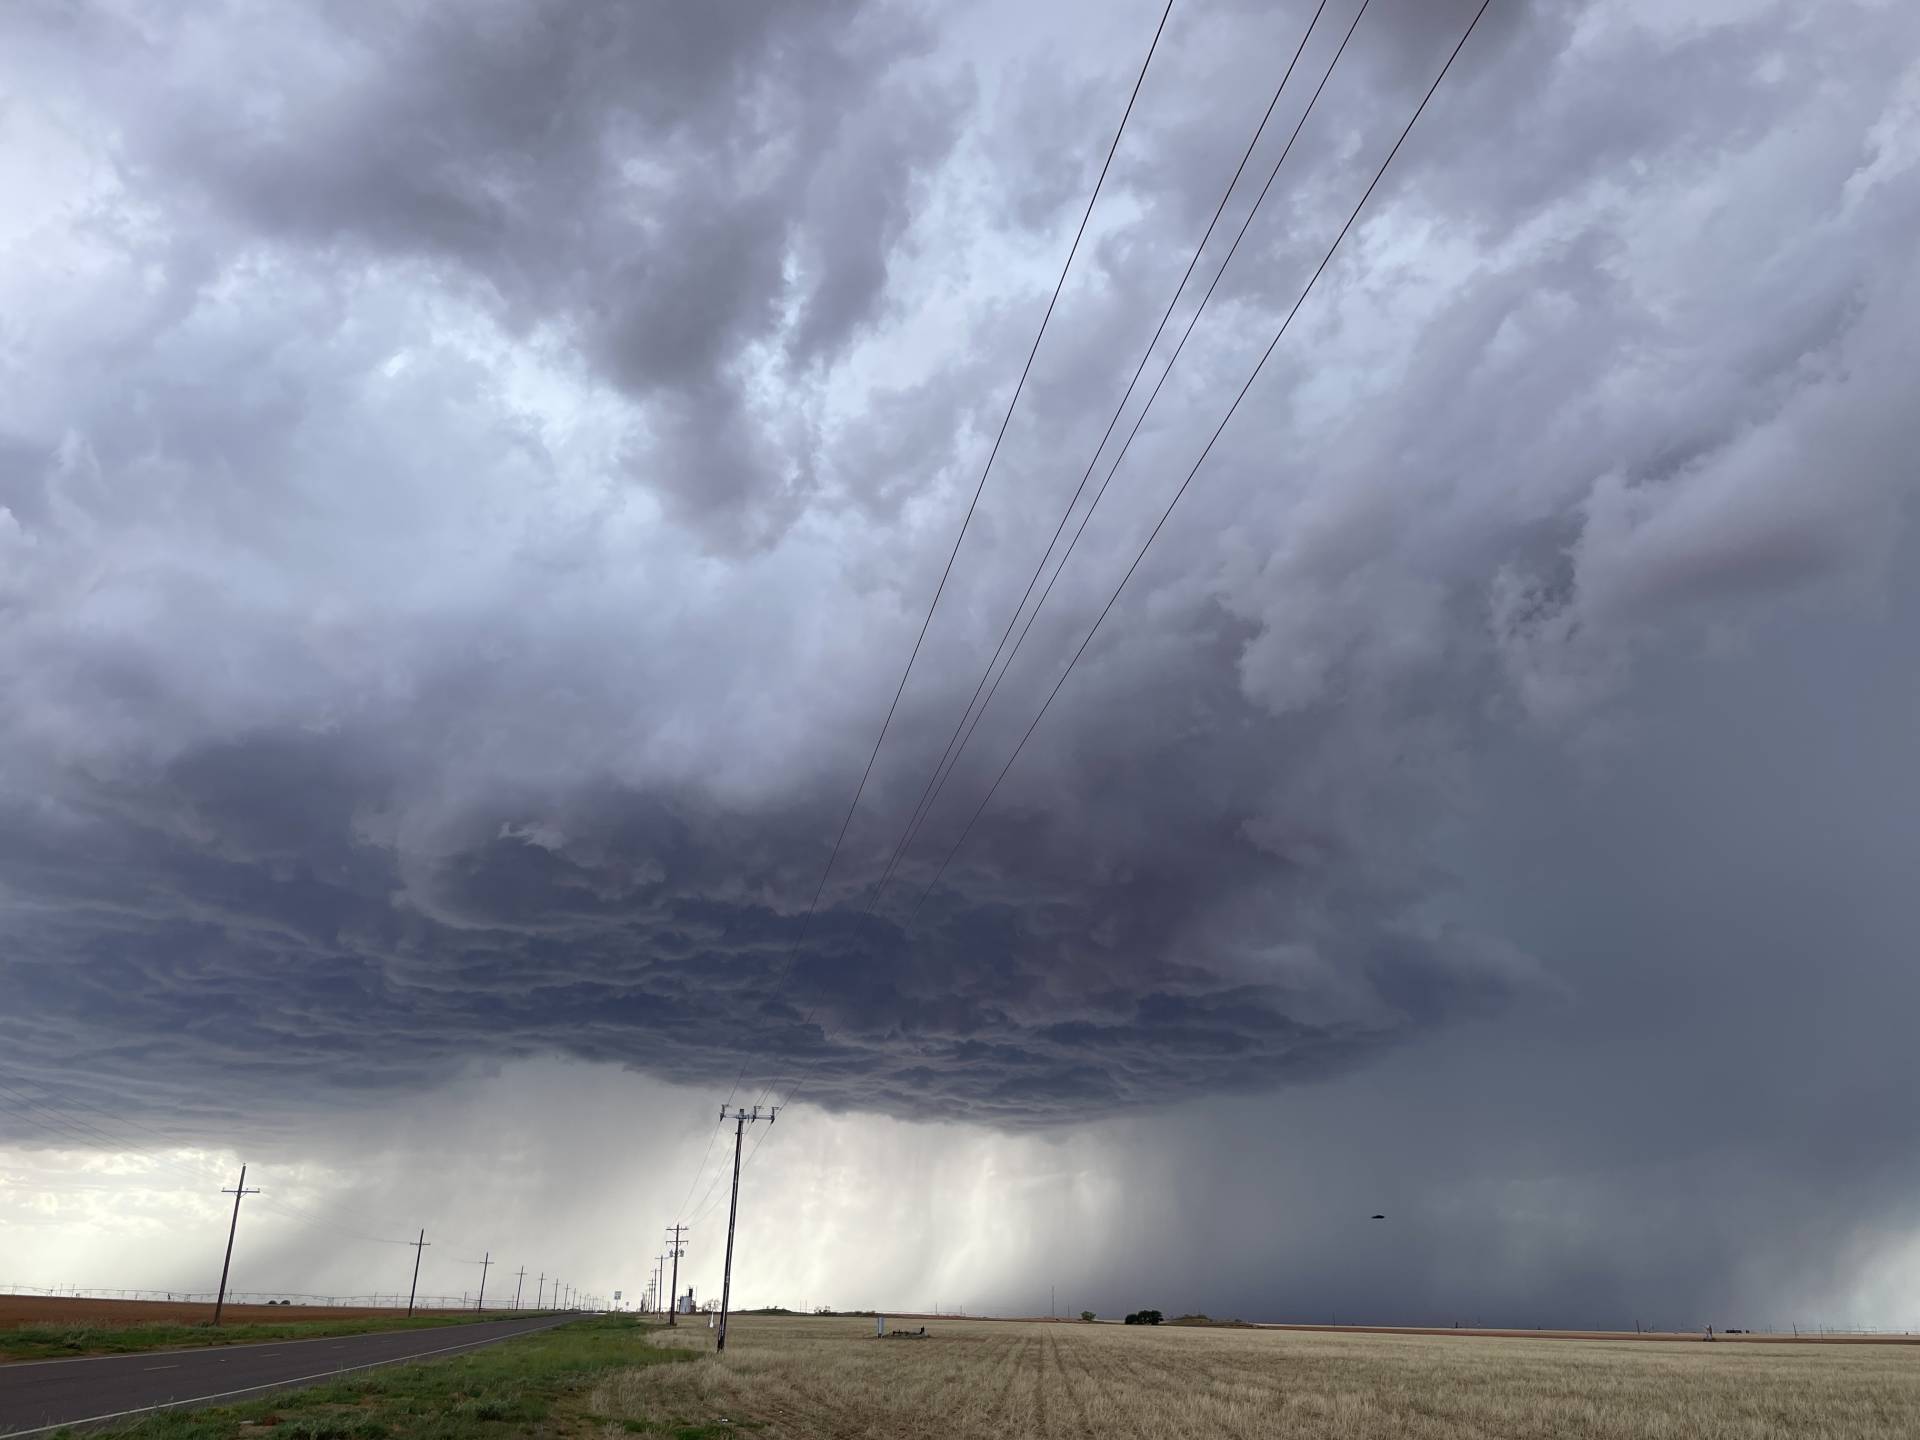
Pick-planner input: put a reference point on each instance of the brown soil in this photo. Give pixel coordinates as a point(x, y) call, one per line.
point(16, 1310)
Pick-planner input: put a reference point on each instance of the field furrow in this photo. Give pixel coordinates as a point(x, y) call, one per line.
point(809, 1377)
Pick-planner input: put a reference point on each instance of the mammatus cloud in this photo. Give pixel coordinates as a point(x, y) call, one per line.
point(469, 487)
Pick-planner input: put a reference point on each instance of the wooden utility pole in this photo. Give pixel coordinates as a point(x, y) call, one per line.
point(741, 1119)
point(518, 1281)
point(480, 1300)
point(675, 1232)
point(239, 1190)
point(418, 1246)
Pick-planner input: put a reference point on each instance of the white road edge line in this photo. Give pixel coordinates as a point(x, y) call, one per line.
point(271, 1384)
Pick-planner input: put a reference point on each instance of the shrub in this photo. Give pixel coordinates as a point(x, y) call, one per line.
point(1086, 1315)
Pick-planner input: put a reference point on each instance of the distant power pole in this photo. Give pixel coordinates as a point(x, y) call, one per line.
point(540, 1290)
point(518, 1281)
point(659, 1282)
point(418, 1246)
point(741, 1119)
point(480, 1300)
point(227, 1264)
point(675, 1232)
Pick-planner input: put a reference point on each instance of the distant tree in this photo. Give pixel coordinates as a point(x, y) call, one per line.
point(1086, 1315)
point(1150, 1317)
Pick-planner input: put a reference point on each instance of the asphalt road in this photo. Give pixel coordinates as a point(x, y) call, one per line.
point(41, 1395)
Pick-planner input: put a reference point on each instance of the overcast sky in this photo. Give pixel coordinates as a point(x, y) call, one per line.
point(471, 477)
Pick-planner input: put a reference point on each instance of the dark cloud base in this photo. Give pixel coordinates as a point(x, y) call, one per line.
point(230, 920)
point(469, 485)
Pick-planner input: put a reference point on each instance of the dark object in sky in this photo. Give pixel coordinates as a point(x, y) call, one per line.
point(1379, 1217)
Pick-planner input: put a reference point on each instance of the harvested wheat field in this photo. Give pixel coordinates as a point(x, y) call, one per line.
point(829, 1377)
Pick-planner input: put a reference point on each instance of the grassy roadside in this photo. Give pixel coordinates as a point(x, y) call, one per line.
point(58, 1342)
point(516, 1388)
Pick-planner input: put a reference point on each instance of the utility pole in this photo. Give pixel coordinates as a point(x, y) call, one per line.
point(480, 1300)
point(676, 1250)
point(741, 1119)
point(518, 1281)
point(418, 1246)
point(227, 1264)
point(540, 1290)
point(659, 1282)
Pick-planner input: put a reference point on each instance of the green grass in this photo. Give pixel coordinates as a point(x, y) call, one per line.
point(503, 1392)
point(676, 1430)
point(55, 1342)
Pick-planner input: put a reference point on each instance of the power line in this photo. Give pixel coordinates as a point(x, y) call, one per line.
point(88, 1139)
point(1195, 470)
point(73, 1126)
point(73, 1101)
point(1139, 420)
point(1185, 483)
point(936, 780)
point(58, 1123)
point(86, 1132)
point(701, 1169)
point(946, 573)
point(707, 1201)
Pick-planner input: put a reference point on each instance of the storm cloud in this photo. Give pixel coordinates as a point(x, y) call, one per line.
point(469, 480)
